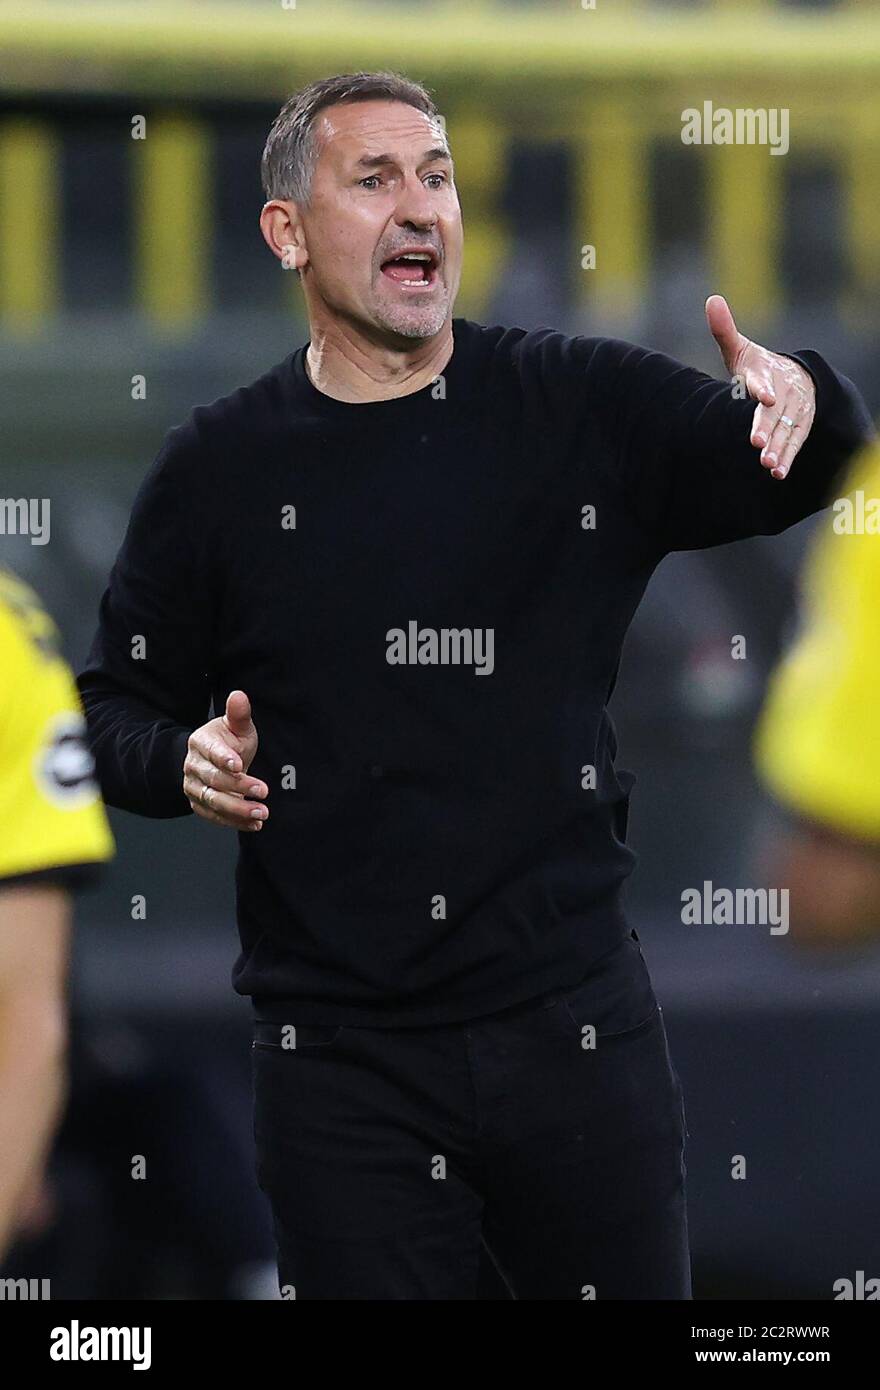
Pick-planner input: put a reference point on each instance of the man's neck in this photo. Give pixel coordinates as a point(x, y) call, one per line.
point(350, 368)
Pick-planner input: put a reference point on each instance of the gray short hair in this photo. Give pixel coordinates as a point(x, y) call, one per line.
point(291, 151)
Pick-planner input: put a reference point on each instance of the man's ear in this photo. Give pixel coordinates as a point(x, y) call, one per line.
point(283, 233)
point(293, 257)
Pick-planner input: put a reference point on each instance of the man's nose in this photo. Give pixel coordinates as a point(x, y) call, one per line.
point(415, 206)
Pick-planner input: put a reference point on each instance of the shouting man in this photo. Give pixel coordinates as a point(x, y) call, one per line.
point(401, 565)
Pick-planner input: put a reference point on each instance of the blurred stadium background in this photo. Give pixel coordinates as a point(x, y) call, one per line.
point(123, 257)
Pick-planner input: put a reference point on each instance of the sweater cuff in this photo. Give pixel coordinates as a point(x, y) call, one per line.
point(177, 756)
point(840, 409)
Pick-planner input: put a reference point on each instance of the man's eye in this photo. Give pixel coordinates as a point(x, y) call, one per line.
point(371, 178)
point(441, 177)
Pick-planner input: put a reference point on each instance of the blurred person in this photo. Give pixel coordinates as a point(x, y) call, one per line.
point(817, 744)
point(400, 566)
point(53, 836)
point(68, 1207)
point(198, 1226)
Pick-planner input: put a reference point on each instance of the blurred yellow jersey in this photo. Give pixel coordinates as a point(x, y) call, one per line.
point(817, 743)
point(52, 820)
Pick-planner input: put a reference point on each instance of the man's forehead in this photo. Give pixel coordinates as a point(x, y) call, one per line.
point(376, 127)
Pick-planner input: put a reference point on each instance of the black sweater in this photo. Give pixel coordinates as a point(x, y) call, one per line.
point(437, 846)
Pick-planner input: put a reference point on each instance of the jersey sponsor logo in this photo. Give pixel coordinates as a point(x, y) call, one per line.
point(65, 768)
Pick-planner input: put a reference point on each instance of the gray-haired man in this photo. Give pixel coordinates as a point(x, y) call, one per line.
point(431, 854)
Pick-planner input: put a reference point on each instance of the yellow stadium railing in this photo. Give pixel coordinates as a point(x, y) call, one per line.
point(29, 223)
point(612, 82)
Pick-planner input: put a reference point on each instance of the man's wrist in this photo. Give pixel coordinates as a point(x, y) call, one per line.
point(840, 409)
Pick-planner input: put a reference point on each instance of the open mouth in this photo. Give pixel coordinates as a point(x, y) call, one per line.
point(412, 270)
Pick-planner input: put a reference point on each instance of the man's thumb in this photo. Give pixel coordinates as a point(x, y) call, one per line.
point(722, 327)
point(238, 712)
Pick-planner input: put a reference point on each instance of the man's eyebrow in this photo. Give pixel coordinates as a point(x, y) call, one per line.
point(438, 152)
point(374, 161)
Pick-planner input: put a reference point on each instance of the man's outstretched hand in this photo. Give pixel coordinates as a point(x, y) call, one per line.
point(781, 385)
point(215, 776)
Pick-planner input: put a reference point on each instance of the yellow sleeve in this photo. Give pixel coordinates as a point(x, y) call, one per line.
point(51, 814)
point(817, 743)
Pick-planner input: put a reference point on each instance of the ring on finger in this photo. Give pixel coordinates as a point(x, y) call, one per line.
point(203, 795)
point(787, 420)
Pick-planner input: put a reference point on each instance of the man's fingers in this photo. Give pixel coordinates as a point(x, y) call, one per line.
point(225, 807)
point(202, 770)
point(783, 441)
point(788, 451)
point(763, 425)
point(766, 436)
point(243, 827)
point(787, 458)
point(760, 387)
point(217, 750)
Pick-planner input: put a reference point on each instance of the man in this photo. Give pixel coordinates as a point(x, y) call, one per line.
point(818, 742)
point(53, 834)
point(402, 563)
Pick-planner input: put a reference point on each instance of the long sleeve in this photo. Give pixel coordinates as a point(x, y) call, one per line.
point(146, 683)
point(678, 443)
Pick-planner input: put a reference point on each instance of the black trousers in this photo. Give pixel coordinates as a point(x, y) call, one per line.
point(552, 1132)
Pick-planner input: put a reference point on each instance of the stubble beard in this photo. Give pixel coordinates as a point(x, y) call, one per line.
point(413, 321)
